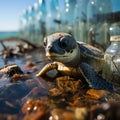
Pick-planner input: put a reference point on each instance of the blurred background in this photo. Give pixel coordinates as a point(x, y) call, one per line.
point(87, 20)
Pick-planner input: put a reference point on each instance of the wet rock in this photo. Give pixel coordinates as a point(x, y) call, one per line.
point(38, 88)
point(35, 110)
point(19, 77)
point(81, 113)
point(57, 114)
point(13, 91)
point(97, 94)
point(105, 111)
point(29, 64)
point(8, 73)
point(68, 114)
point(35, 93)
point(113, 98)
point(10, 95)
point(10, 70)
point(31, 83)
point(29, 67)
point(10, 107)
point(8, 117)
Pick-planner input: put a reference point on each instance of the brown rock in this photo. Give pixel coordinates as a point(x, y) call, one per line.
point(97, 94)
point(35, 110)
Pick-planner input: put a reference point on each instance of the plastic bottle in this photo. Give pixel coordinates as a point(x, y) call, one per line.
point(53, 19)
point(80, 20)
point(69, 15)
point(97, 22)
point(30, 22)
point(23, 26)
point(40, 22)
point(112, 55)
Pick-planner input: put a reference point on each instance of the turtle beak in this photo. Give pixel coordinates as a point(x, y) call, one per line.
point(53, 50)
point(48, 54)
point(50, 51)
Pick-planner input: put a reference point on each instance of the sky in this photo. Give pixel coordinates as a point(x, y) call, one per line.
point(10, 11)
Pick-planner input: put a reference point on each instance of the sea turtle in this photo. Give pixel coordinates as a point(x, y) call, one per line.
point(75, 58)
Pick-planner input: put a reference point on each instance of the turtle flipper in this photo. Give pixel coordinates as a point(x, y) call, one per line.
point(93, 79)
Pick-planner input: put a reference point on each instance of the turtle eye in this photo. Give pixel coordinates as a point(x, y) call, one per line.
point(45, 42)
point(63, 43)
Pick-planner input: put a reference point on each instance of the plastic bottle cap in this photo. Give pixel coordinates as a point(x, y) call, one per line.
point(115, 38)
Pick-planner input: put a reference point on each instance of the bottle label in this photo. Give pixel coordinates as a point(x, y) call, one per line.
point(115, 38)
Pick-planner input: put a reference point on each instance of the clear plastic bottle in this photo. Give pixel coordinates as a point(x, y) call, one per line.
point(33, 23)
point(23, 26)
point(31, 27)
point(80, 20)
point(40, 19)
point(53, 19)
point(112, 55)
point(97, 22)
point(69, 15)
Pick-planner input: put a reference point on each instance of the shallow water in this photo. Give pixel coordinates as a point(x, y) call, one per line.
point(36, 57)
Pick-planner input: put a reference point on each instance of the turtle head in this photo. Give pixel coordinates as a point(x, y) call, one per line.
point(61, 47)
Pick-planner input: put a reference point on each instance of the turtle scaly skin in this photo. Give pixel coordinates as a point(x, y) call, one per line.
point(75, 58)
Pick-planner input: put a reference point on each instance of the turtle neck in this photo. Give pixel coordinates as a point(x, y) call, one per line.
point(76, 60)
